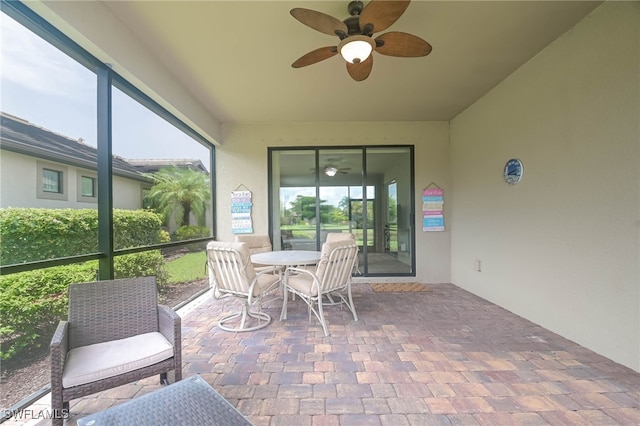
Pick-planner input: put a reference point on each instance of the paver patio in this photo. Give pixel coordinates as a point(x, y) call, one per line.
point(443, 357)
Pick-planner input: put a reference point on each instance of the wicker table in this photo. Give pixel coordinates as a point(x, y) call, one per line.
point(188, 402)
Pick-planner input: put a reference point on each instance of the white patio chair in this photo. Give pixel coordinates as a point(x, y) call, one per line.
point(258, 243)
point(332, 276)
point(231, 274)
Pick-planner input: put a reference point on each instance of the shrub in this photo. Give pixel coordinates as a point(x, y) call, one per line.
point(141, 265)
point(33, 302)
point(40, 234)
point(189, 232)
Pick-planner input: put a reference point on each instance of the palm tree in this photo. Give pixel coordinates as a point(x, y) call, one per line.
point(178, 192)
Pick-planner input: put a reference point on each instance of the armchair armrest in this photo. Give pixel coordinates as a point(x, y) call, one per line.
point(170, 326)
point(272, 287)
point(169, 323)
point(300, 270)
point(59, 347)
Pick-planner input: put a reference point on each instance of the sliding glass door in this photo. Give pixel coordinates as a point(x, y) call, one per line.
point(317, 191)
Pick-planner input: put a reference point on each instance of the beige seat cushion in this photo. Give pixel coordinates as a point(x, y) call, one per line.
point(303, 283)
point(265, 281)
point(87, 364)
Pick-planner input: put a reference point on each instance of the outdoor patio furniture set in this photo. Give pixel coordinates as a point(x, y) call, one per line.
point(116, 332)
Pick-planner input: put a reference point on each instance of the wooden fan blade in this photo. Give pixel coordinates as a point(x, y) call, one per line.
point(382, 14)
point(315, 56)
point(402, 44)
point(319, 21)
point(361, 70)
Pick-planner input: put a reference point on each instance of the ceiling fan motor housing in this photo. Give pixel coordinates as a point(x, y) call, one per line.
point(355, 7)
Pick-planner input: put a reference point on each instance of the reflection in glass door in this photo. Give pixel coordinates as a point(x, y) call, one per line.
point(364, 191)
point(339, 181)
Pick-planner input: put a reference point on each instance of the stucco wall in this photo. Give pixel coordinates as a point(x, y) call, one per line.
point(19, 185)
point(562, 247)
point(243, 160)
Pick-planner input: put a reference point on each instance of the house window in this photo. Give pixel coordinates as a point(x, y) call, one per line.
point(52, 181)
point(87, 187)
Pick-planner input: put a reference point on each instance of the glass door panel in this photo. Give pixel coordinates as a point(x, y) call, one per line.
point(294, 208)
point(389, 173)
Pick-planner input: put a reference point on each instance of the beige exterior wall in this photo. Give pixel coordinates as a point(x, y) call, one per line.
point(243, 160)
point(562, 247)
point(19, 186)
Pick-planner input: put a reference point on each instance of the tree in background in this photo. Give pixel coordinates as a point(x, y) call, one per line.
point(178, 192)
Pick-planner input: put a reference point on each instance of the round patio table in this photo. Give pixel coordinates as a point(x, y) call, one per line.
point(286, 258)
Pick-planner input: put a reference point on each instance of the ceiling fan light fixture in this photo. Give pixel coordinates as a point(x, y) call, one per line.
point(330, 171)
point(357, 48)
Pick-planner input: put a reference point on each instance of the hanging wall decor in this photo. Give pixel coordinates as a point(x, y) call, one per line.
point(241, 211)
point(433, 208)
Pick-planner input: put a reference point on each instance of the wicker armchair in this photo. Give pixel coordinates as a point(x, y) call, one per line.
point(116, 334)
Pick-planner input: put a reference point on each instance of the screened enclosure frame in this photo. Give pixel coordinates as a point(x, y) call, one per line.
point(107, 79)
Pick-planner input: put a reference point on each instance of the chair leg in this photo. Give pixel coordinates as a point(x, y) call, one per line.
point(244, 314)
point(58, 407)
point(320, 314)
point(351, 305)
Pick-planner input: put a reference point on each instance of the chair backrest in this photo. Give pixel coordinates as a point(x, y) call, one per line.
point(333, 237)
point(110, 310)
point(256, 243)
point(336, 264)
point(230, 266)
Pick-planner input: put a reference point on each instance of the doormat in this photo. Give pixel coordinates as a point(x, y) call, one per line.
point(398, 287)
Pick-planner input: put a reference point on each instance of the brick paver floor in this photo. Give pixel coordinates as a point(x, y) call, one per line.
point(442, 357)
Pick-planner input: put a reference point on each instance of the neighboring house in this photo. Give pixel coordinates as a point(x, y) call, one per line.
point(40, 168)
point(59, 172)
point(63, 170)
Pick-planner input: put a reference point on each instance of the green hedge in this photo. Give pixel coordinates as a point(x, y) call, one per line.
point(40, 234)
point(33, 302)
point(189, 232)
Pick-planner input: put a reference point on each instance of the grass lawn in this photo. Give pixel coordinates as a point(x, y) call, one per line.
point(190, 267)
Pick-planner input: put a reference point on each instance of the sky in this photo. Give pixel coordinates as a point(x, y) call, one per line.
point(42, 85)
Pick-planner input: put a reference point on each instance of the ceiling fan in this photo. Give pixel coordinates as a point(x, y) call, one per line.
point(331, 170)
point(356, 35)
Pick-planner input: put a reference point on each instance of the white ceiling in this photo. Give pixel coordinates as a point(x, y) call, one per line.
point(235, 56)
